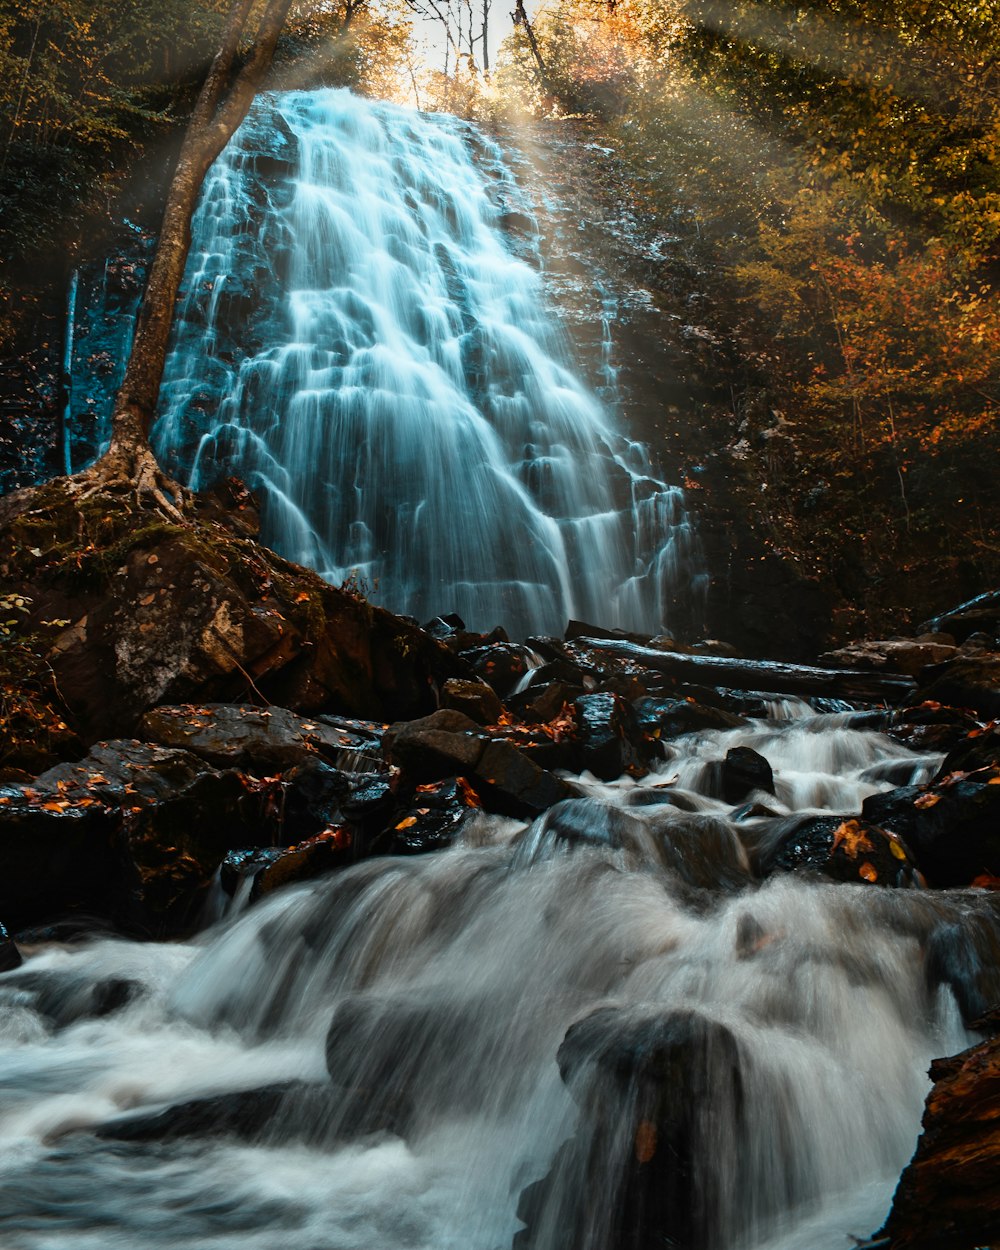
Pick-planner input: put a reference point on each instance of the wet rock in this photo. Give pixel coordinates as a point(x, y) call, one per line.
point(178, 816)
point(63, 999)
point(445, 744)
point(243, 1114)
point(513, 785)
point(841, 847)
point(169, 614)
point(670, 718)
point(435, 817)
point(953, 960)
point(969, 682)
point(368, 806)
point(948, 1198)
point(261, 741)
point(448, 744)
point(306, 860)
point(245, 864)
point(979, 748)
point(952, 828)
point(899, 655)
point(931, 726)
point(644, 1167)
point(540, 704)
point(611, 742)
point(475, 699)
point(501, 665)
point(10, 956)
point(58, 857)
point(704, 851)
point(743, 772)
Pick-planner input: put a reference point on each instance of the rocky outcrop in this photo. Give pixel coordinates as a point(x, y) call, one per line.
point(131, 612)
point(948, 1197)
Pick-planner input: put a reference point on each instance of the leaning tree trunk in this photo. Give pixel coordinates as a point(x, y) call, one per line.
point(222, 104)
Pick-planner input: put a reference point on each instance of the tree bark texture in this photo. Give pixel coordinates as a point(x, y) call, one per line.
point(223, 102)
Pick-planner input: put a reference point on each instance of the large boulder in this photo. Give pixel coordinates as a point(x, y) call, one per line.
point(658, 1140)
point(845, 848)
point(449, 744)
point(257, 740)
point(948, 1197)
point(970, 681)
point(156, 612)
point(952, 827)
point(134, 833)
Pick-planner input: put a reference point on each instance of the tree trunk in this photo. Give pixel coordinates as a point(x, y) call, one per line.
point(222, 104)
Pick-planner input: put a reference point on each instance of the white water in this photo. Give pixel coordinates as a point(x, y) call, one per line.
point(455, 977)
point(360, 343)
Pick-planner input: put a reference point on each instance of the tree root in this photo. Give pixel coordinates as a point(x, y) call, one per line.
point(131, 468)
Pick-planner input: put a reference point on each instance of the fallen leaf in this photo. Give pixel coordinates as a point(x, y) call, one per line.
point(852, 837)
point(867, 871)
point(927, 800)
point(407, 822)
point(645, 1141)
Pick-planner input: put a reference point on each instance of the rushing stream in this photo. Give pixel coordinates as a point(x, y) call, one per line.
point(451, 980)
point(364, 338)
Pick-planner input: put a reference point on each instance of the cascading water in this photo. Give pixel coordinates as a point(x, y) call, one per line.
point(360, 342)
point(402, 1020)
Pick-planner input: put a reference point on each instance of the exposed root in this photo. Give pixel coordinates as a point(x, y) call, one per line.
point(131, 468)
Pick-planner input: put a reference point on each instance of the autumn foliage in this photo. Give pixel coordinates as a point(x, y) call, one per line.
point(833, 169)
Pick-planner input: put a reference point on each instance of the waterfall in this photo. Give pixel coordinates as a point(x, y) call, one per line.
point(362, 336)
point(436, 1042)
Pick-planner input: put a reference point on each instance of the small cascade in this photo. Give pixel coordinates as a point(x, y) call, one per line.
point(363, 337)
point(595, 1031)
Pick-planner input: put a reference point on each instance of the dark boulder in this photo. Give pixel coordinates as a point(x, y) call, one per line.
point(502, 665)
point(161, 613)
point(60, 856)
point(306, 860)
point(475, 699)
point(899, 655)
point(611, 742)
point(931, 726)
point(508, 782)
point(244, 1114)
point(448, 744)
point(434, 818)
point(445, 744)
point(952, 828)
point(968, 682)
point(844, 848)
point(258, 740)
point(743, 772)
point(670, 718)
point(171, 818)
point(659, 1137)
point(948, 1197)
point(979, 748)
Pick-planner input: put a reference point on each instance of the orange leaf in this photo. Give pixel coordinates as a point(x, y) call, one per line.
point(407, 822)
point(645, 1141)
point(852, 837)
point(927, 800)
point(867, 871)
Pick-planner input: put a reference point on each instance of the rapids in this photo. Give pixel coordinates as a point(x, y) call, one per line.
point(450, 981)
point(363, 337)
